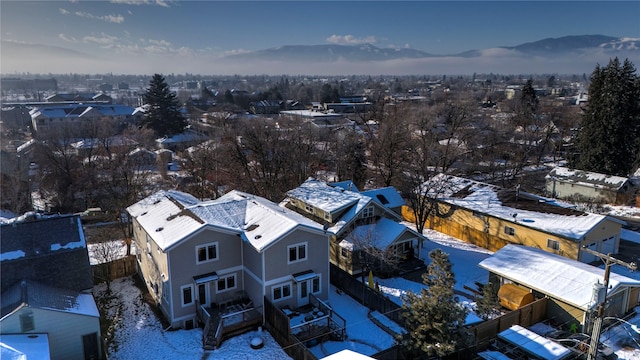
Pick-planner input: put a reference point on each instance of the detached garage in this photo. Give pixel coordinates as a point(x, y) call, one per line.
point(572, 287)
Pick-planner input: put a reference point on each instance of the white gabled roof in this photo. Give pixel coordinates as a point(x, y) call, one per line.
point(561, 278)
point(483, 198)
point(328, 198)
point(171, 216)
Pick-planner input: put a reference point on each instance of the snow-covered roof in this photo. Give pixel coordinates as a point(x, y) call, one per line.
point(328, 198)
point(546, 215)
point(24, 346)
point(347, 354)
point(587, 178)
point(80, 110)
point(388, 197)
point(171, 216)
point(380, 234)
point(534, 344)
point(561, 278)
point(36, 295)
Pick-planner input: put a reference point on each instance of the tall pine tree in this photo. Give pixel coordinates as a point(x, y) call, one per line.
point(164, 116)
point(434, 318)
point(608, 140)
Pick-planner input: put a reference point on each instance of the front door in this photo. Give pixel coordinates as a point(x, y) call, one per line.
point(203, 294)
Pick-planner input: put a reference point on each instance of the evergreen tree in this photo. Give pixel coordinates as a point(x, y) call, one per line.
point(434, 318)
point(608, 137)
point(488, 304)
point(164, 116)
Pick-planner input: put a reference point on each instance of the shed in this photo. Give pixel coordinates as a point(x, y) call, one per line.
point(514, 297)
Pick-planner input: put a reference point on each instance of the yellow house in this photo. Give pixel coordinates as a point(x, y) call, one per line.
point(492, 217)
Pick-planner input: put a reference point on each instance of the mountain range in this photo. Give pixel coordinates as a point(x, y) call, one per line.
point(563, 55)
point(550, 47)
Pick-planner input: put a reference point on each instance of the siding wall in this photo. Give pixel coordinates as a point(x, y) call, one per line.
point(489, 232)
point(183, 267)
point(65, 330)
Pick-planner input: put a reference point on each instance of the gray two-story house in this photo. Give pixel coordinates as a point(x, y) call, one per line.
point(234, 251)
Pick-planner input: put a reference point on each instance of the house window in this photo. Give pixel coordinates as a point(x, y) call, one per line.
point(186, 292)
point(227, 283)
point(553, 244)
point(367, 212)
point(308, 208)
point(315, 285)
point(148, 244)
point(509, 230)
point(27, 323)
point(297, 252)
point(281, 292)
point(344, 253)
point(165, 292)
point(206, 252)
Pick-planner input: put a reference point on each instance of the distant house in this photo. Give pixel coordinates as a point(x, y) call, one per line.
point(47, 118)
point(563, 183)
point(46, 285)
point(572, 287)
point(264, 107)
point(230, 253)
point(492, 217)
point(358, 223)
point(79, 98)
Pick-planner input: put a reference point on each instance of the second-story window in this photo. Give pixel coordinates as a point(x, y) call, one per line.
point(207, 252)
point(297, 252)
point(367, 212)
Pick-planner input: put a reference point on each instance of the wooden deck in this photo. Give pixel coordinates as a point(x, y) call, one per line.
point(220, 324)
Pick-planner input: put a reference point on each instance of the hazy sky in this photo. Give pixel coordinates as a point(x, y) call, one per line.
point(146, 36)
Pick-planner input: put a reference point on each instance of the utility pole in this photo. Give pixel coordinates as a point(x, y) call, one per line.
point(597, 324)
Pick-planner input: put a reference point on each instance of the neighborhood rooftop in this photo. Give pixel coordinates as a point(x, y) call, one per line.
point(516, 206)
point(552, 274)
point(587, 178)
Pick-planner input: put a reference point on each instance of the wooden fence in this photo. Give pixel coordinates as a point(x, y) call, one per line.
point(525, 316)
point(115, 269)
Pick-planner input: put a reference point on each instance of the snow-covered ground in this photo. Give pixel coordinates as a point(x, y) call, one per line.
point(140, 335)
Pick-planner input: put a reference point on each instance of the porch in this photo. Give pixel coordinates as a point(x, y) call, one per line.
point(221, 321)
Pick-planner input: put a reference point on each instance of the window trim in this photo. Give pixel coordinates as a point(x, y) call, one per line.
point(298, 246)
point(224, 278)
point(553, 244)
point(368, 212)
point(281, 287)
point(206, 247)
point(190, 286)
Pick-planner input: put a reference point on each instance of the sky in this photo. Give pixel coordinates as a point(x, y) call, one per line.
point(166, 36)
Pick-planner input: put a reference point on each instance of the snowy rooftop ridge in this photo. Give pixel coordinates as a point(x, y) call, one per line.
point(319, 194)
point(551, 217)
point(560, 277)
point(170, 216)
